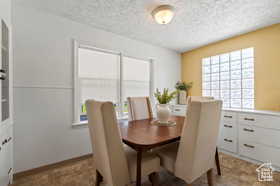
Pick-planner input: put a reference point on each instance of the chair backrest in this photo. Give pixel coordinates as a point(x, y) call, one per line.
point(106, 143)
point(196, 153)
point(198, 98)
point(139, 108)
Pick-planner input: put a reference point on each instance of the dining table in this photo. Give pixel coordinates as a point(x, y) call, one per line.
point(144, 135)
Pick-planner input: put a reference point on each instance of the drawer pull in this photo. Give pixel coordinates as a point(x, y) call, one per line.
point(249, 146)
point(4, 142)
point(248, 130)
point(225, 116)
point(10, 170)
point(177, 110)
point(228, 126)
point(227, 140)
point(249, 119)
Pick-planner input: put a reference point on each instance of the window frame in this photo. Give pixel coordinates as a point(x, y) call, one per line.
point(120, 88)
point(241, 89)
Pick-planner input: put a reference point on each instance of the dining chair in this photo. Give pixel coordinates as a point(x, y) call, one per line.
point(115, 162)
point(194, 155)
point(139, 108)
point(217, 158)
point(194, 98)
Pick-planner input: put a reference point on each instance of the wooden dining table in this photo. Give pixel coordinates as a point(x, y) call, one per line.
point(142, 136)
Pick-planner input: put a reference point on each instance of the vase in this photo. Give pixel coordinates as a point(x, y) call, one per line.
point(182, 97)
point(163, 113)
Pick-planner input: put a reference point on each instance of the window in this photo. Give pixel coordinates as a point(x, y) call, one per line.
point(108, 76)
point(230, 77)
point(136, 79)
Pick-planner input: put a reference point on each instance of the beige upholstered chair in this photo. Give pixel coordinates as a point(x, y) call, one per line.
point(115, 163)
point(139, 108)
point(198, 98)
point(195, 154)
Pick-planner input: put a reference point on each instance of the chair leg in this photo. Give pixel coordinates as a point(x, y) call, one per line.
point(98, 179)
point(154, 179)
point(210, 177)
point(218, 162)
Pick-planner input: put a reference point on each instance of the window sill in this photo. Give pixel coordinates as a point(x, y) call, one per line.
point(83, 123)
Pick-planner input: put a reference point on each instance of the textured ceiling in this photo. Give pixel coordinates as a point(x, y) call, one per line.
point(196, 22)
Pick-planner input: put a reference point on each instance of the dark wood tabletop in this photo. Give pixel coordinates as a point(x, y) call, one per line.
point(145, 135)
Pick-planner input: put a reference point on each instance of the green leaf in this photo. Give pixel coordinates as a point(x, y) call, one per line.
point(165, 97)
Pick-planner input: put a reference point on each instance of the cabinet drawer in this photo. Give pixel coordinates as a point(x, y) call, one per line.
point(228, 130)
point(263, 136)
point(228, 143)
point(179, 110)
point(228, 117)
point(265, 121)
point(260, 152)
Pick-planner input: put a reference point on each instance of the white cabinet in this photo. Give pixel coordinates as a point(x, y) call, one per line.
point(6, 156)
point(2, 162)
point(256, 135)
point(228, 132)
point(269, 137)
point(6, 126)
point(251, 135)
point(261, 120)
point(179, 110)
point(259, 152)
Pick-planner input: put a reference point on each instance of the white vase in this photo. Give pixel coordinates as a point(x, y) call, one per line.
point(182, 97)
point(163, 113)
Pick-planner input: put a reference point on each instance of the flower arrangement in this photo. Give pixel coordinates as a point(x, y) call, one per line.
point(165, 97)
point(180, 85)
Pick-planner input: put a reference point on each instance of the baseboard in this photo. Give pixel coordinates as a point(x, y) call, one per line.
point(50, 166)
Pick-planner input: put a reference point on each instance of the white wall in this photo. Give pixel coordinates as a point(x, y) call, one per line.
point(43, 83)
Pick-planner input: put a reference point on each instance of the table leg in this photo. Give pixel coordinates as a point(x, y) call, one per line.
point(139, 163)
point(218, 162)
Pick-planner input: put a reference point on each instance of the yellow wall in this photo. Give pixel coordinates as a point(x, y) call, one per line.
point(266, 43)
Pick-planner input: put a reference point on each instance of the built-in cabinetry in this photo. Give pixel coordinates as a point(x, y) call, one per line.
point(251, 135)
point(6, 158)
point(179, 110)
point(6, 125)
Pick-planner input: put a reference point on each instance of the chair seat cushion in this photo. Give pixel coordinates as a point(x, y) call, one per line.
point(150, 162)
point(167, 155)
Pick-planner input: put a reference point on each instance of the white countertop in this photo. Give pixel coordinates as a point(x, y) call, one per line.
point(266, 112)
point(253, 111)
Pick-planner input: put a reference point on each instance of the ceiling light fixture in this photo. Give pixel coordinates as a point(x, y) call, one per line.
point(163, 14)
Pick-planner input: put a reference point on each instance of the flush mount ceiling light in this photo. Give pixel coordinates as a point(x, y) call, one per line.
point(163, 14)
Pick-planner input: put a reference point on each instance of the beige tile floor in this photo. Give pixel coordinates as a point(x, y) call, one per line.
point(235, 172)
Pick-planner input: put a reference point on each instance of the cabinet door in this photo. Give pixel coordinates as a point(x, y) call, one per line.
point(4, 178)
point(4, 73)
point(9, 158)
point(2, 162)
point(2, 51)
point(5, 153)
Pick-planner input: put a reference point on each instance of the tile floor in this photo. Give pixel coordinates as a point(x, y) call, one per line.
point(235, 172)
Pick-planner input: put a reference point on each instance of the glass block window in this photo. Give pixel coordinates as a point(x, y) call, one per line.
point(230, 77)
